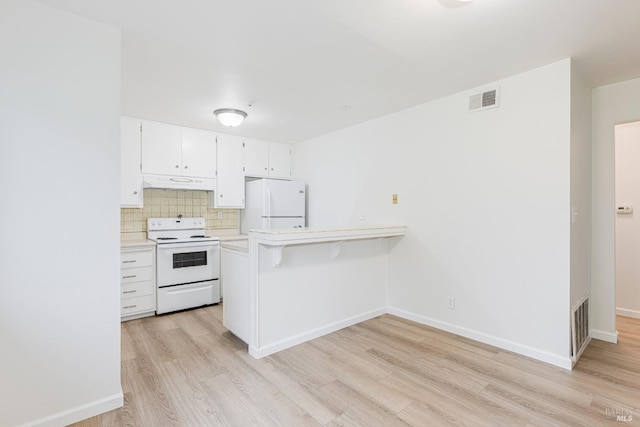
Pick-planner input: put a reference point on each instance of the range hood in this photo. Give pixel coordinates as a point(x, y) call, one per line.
point(178, 182)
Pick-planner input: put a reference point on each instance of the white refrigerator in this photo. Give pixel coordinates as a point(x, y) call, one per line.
point(273, 204)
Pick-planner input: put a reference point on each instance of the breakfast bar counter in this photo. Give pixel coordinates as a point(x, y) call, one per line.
point(305, 283)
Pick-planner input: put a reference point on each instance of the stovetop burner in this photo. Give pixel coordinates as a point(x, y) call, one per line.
point(177, 230)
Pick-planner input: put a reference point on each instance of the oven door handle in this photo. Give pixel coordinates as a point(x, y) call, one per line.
point(204, 245)
point(179, 290)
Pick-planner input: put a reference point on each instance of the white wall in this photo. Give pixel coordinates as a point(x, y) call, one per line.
point(612, 104)
point(59, 222)
point(486, 198)
point(580, 187)
point(627, 191)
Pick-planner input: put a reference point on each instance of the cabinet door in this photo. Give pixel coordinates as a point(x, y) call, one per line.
point(198, 153)
point(256, 158)
point(279, 160)
point(161, 149)
point(130, 173)
point(230, 178)
point(235, 279)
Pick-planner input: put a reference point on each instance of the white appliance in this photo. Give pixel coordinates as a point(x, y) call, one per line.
point(273, 204)
point(187, 263)
point(178, 182)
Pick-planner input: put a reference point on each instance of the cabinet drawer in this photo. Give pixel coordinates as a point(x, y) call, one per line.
point(138, 305)
point(138, 274)
point(137, 289)
point(136, 259)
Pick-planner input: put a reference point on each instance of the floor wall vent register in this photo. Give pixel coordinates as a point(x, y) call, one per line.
point(580, 332)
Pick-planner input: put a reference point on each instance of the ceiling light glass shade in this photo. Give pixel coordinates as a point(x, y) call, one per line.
point(230, 117)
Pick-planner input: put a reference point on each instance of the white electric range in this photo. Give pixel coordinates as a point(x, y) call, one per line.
point(187, 263)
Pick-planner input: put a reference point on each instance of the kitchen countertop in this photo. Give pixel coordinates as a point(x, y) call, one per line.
point(326, 234)
point(347, 228)
point(236, 245)
point(229, 237)
point(128, 240)
point(135, 241)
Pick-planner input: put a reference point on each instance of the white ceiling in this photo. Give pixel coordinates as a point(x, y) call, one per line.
point(311, 67)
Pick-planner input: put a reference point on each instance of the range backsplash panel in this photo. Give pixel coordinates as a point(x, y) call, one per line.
point(160, 203)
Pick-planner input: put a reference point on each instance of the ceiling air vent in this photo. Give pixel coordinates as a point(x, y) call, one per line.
point(485, 100)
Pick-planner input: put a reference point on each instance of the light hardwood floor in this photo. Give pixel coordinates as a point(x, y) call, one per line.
point(186, 369)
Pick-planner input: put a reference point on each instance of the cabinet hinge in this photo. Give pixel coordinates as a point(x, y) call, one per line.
point(243, 145)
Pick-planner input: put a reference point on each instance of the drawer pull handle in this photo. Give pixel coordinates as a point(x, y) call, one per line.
point(129, 261)
point(129, 277)
point(130, 306)
point(130, 292)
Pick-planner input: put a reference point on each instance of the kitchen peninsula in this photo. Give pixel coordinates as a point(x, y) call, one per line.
point(305, 283)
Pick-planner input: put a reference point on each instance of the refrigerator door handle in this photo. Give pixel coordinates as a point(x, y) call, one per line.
point(268, 201)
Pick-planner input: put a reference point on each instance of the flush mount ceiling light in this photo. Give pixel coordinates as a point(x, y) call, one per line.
point(453, 4)
point(230, 116)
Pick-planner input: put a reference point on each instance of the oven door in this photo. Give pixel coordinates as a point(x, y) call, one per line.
point(179, 263)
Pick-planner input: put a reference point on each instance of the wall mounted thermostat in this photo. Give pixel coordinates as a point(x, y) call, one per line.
point(624, 209)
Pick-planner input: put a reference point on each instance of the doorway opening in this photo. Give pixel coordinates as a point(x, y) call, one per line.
point(627, 221)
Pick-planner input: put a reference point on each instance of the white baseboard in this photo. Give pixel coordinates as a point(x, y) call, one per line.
point(534, 353)
point(605, 336)
point(259, 352)
point(80, 413)
point(544, 356)
point(628, 313)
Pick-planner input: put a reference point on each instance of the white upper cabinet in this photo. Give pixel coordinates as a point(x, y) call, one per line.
point(256, 157)
point(198, 153)
point(174, 150)
point(279, 160)
point(130, 173)
point(161, 148)
point(266, 159)
point(230, 179)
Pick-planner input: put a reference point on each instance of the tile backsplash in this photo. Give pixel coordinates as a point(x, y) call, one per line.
point(159, 203)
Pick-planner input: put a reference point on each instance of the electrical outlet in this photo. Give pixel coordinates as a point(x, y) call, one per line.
point(452, 303)
point(394, 199)
point(219, 214)
point(363, 216)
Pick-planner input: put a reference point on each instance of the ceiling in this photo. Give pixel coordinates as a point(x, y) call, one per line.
point(304, 68)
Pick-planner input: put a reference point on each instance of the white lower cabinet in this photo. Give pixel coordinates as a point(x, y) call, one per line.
point(235, 281)
point(137, 282)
